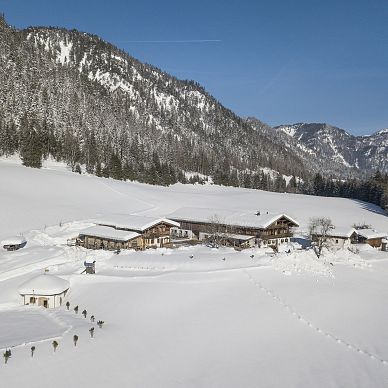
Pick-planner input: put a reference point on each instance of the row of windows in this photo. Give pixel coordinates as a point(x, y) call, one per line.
point(274, 242)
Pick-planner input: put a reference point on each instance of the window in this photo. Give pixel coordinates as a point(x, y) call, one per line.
point(32, 300)
point(336, 241)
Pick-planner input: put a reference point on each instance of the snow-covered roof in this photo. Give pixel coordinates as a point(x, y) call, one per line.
point(44, 284)
point(109, 233)
point(13, 240)
point(242, 237)
point(134, 222)
point(371, 233)
point(228, 217)
point(341, 232)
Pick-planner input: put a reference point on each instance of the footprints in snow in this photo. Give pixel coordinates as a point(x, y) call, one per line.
point(311, 325)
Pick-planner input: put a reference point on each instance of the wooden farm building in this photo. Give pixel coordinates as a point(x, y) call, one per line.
point(104, 237)
point(127, 232)
point(44, 290)
point(267, 229)
point(372, 237)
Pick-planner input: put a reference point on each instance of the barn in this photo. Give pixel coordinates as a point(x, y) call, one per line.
point(371, 237)
point(104, 237)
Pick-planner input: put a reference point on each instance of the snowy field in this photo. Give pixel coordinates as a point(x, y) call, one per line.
point(190, 317)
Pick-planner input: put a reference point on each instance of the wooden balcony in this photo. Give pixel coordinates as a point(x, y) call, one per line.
point(273, 236)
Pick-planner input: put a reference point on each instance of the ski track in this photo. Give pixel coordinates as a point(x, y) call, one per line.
point(317, 329)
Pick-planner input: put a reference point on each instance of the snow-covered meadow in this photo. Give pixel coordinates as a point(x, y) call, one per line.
point(191, 317)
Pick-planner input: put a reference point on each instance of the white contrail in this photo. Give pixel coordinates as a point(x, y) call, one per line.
point(173, 41)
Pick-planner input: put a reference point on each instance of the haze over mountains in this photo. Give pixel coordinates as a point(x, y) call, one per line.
point(82, 100)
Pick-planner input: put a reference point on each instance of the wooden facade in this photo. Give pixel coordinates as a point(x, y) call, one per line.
point(373, 242)
point(94, 242)
point(156, 236)
point(141, 234)
point(371, 237)
point(273, 234)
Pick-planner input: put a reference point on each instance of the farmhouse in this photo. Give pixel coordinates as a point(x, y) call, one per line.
point(267, 229)
point(371, 237)
point(126, 232)
point(14, 243)
point(339, 237)
point(44, 290)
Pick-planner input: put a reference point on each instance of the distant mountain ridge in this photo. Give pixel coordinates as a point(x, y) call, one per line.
point(325, 141)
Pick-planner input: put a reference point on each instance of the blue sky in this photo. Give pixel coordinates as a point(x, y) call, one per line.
point(281, 61)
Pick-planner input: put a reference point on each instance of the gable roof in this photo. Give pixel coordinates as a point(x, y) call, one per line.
point(14, 240)
point(247, 219)
point(371, 233)
point(109, 233)
point(133, 222)
point(341, 232)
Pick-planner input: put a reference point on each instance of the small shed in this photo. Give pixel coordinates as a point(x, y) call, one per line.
point(44, 290)
point(238, 240)
point(340, 238)
point(14, 243)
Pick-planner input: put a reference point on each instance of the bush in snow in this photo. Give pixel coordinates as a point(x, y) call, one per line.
point(75, 339)
point(92, 318)
point(67, 305)
point(32, 351)
point(76, 309)
point(7, 355)
point(91, 331)
point(84, 313)
point(100, 323)
point(55, 345)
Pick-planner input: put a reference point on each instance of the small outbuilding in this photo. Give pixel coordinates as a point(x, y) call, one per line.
point(371, 237)
point(44, 290)
point(339, 237)
point(14, 243)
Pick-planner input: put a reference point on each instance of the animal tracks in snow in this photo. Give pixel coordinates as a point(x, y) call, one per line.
point(308, 323)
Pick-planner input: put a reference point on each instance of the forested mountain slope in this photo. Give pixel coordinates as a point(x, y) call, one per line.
point(84, 101)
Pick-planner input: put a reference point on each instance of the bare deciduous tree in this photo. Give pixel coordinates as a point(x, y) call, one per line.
point(319, 228)
point(215, 230)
